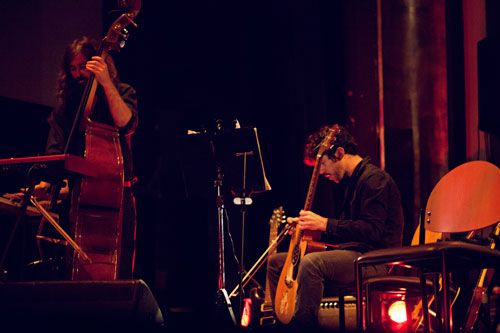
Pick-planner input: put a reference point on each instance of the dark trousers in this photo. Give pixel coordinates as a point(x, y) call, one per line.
point(318, 271)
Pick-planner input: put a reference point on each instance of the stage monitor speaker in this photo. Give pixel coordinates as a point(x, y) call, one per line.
point(488, 71)
point(48, 306)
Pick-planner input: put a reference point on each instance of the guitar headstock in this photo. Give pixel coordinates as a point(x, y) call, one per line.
point(328, 141)
point(278, 217)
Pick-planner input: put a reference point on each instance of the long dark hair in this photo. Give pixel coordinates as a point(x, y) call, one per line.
point(66, 85)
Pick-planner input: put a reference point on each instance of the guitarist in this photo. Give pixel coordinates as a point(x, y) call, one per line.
point(371, 218)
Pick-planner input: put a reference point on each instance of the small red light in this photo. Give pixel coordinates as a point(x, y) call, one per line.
point(246, 316)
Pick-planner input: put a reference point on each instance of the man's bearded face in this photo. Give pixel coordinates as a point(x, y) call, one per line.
point(78, 71)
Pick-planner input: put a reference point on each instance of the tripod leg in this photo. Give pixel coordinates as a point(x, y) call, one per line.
point(224, 304)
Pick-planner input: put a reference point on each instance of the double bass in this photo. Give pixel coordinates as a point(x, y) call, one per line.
point(302, 242)
point(96, 211)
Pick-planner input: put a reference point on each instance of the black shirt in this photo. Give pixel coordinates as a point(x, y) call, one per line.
point(372, 215)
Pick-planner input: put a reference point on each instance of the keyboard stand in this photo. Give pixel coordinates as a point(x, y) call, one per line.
point(60, 230)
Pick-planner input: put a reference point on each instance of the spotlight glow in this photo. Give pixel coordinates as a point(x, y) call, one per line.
point(397, 312)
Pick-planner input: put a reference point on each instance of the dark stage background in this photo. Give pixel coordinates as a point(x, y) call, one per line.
point(285, 67)
point(266, 65)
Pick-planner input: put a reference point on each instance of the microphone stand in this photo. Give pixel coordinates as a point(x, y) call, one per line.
point(222, 296)
point(242, 201)
point(231, 145)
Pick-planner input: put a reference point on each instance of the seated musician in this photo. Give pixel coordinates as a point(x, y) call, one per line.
point(371, 218)
point(116, 105)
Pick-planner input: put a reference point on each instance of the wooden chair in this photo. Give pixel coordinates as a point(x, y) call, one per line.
point(465, 199)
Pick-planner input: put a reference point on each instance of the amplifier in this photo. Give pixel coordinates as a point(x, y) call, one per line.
point(328, 315)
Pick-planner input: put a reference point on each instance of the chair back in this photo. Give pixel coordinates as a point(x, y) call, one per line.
point(430, 237)
point(465, 199)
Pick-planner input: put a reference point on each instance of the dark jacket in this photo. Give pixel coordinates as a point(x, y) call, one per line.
point(372, 215)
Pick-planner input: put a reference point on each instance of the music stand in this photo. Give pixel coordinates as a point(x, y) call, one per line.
point(239, 153)
point(236, 157)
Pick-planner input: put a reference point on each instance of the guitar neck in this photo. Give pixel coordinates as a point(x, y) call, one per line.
point(287, 286)
point(310, 235)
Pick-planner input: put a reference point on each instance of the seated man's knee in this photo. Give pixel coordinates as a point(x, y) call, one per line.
point(308, 263)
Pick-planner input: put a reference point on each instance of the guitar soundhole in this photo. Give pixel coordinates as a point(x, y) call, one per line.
point(295, 261)
point(295, 255)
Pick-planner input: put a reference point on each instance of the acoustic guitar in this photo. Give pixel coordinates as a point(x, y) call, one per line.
point(263, 306)
point(302, 242)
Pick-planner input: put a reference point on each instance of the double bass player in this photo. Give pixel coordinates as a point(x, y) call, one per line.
point(115, 104)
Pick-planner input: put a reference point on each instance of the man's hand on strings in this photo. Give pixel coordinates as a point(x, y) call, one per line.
point(308, 220)
point(99, 68)
point(120, 111)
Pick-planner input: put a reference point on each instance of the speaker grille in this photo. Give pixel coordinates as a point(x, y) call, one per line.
point(328, 316)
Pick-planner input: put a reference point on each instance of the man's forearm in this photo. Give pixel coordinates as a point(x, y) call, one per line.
point(119, 110)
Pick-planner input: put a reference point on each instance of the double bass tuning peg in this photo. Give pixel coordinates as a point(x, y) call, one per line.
point(124, 35)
